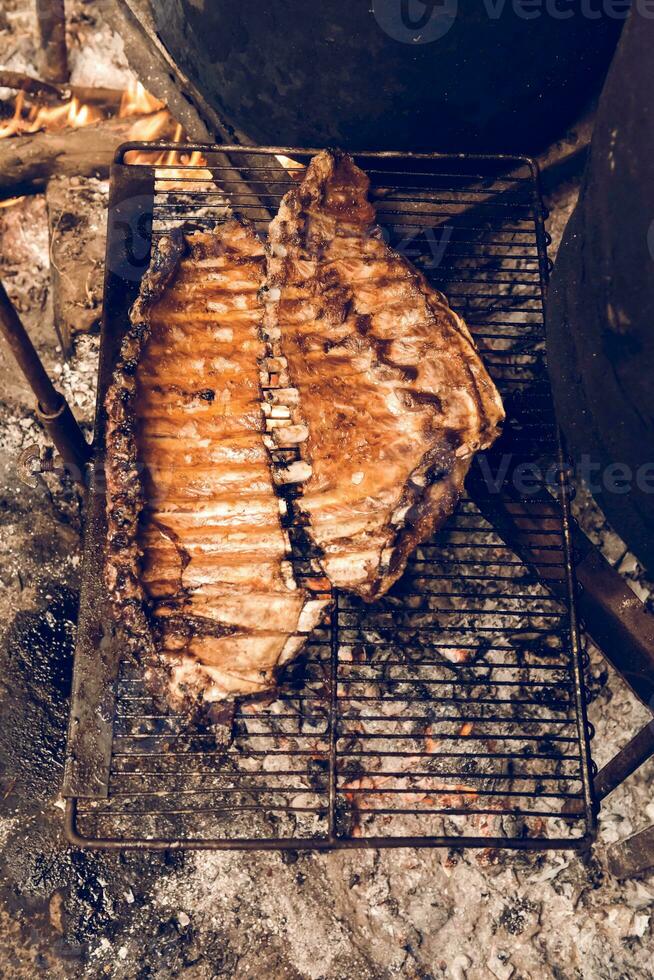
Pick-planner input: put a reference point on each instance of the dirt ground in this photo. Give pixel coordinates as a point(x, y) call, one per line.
point(361, 914)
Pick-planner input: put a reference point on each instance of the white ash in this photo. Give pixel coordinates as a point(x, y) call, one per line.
point(98, 57)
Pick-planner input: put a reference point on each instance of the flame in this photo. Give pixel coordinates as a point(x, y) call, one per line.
point(10, 201)
point(12, 125)
point(31, 119)
point(161, 125)
point(137, 101)
point(152, 127)
point(154, 121)
point(289, 164)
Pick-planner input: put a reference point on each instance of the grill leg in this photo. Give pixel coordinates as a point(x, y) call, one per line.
point(52, 408)
point(626, 761)
point(633, 856)
point(612, 615)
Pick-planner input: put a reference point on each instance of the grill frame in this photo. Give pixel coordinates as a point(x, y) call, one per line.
point(93, 722)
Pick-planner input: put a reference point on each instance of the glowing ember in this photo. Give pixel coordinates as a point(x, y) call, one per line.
point(431, 744)
point(9, 203)
point(289, 164)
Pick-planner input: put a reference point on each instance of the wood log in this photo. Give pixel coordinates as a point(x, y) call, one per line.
point(104, 98)
point(77, 229)
point(28, 162)
point(51, 20)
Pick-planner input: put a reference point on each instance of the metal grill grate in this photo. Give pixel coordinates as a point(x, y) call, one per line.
point(452, 710)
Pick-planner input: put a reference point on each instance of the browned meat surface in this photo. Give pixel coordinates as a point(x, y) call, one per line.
point(198, 560)
point(391, 399)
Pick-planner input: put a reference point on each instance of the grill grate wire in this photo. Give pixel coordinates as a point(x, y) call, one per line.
point(450, 711)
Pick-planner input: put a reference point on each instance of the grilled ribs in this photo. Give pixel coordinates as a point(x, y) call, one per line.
point(327, 362)
point(197, 558)
point(390, 388)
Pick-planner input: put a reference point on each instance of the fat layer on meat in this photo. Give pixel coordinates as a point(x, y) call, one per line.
point(197, 557)
point(390, 397)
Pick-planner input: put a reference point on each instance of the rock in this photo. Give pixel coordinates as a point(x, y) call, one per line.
point(459, 966)
point(640, 925)
point(56, 909)
point(499, 964)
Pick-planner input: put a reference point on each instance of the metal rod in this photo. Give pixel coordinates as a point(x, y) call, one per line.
point(23, 350)
point(52, 408)
point(51, 20)
point(633, 856)
point(610, 611)
point(626, 761)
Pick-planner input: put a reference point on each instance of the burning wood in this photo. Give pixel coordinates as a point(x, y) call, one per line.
point(51, 92)
point(28, 162)
point(80, 106)
point(59, 138)
point(79, 138)
point(32, 118)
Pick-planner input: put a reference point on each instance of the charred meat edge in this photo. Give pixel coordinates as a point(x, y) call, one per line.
point(125, 493)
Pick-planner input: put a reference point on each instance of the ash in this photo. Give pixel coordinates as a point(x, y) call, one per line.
point(360, 914)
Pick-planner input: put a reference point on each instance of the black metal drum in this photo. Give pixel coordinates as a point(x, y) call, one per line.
point(403, 74)
point(600, 323)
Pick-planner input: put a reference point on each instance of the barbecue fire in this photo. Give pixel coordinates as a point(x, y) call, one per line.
point(32, 118)
point(152, 120)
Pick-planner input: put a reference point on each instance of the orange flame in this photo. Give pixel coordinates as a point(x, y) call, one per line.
point(72, 114)
point(137, 101)
point(154, 122)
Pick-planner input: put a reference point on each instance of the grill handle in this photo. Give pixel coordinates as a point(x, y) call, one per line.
point(52, 409)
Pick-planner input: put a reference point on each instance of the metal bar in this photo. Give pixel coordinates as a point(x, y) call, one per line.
point(616, 619)
point(563, 491)
point(51, 21)
point(625, 762)
point(503, 159)
point(633, 856)
point(25, 353)
point(612, 614)
point(52, 408)
point(333, 716)
point(97, 654)
point(74, 836)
